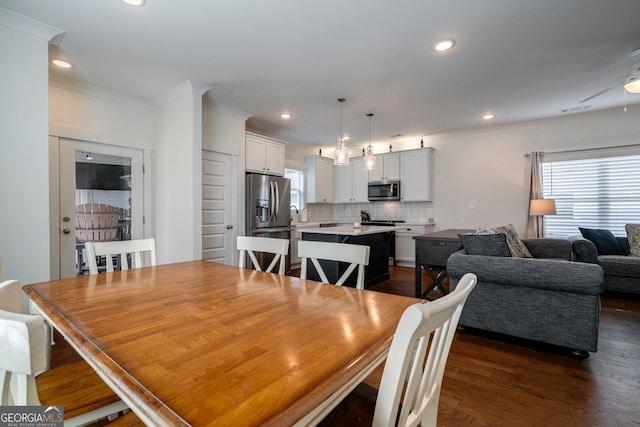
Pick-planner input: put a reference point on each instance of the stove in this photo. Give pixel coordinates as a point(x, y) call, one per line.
point(366, 220)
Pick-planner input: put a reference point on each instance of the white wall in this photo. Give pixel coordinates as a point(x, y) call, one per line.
point(24, 162)
point(90, 114)
point(488, 168)
point(178, 174)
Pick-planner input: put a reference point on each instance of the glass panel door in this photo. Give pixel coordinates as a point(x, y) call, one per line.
point(100, 199)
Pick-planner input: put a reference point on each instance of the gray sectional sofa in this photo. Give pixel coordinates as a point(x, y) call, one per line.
point(621, 272)
point(547, 298)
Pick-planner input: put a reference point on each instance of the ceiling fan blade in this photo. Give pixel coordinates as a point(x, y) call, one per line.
point(595, 95)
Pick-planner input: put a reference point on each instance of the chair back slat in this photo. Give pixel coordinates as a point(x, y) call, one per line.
point(250, 245)
point(356, 255)
point(121, 249)
point(410, 387)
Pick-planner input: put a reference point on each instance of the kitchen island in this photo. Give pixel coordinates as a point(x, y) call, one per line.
point(378, 238)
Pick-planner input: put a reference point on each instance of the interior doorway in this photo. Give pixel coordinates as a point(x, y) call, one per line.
point(218, 234)
point(100, 198)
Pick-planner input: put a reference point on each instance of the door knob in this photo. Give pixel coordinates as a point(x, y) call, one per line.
point(66, 231)
point(229, 227)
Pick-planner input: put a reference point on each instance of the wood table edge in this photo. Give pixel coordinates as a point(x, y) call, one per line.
point(146, 406)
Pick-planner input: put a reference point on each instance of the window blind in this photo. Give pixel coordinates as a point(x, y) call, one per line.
point(599, 192)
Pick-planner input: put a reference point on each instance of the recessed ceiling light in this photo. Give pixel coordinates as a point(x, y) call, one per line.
point(443, 45)
point(488, 116)
point(134, 2)
point(62, 63)
point(285, 115)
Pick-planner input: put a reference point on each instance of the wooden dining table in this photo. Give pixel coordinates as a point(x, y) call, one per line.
point(199, 343)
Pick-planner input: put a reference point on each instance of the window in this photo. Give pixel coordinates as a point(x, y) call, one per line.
point(592, 189)
point(297, 187)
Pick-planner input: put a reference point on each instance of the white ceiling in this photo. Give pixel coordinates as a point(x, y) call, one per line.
point(521, 59)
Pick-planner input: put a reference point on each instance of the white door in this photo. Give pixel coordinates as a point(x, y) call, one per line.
point(217, 208)
point(97, 174)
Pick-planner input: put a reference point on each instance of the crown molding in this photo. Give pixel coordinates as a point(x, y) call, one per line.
point(99, 92)
point(187, 87)
point(30, 26)
point(223, 109)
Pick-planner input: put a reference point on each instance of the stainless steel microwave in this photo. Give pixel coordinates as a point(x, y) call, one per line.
point(384, 190)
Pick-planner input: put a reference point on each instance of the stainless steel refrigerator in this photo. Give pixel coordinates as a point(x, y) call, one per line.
point(268, 215)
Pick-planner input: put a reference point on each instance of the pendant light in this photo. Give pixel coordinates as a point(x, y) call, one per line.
point(370, 159)
point(341, 154)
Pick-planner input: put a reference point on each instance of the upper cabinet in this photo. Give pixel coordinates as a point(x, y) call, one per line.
point(318, 179)
point(416, 180)
point(387, 167)
point(350, 182)
point(264, 155)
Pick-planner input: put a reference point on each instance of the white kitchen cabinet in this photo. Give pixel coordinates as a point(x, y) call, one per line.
point(350, 182)
point(264, 155)
point(387, 167)
point(405, 245)
point(318, 179)
point(416, 180)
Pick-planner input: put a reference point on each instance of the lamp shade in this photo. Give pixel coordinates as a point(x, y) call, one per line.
point(542, 207)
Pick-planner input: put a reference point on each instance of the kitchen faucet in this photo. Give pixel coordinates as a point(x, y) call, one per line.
point(293, 206)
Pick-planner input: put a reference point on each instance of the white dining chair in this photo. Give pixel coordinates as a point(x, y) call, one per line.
point(10, 299)
point(120, 248)
point(409, 390)
point(355, 255)
point(74, 385)
point(249, 245)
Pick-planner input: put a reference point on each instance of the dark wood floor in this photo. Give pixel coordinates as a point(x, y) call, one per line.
point(493, 380)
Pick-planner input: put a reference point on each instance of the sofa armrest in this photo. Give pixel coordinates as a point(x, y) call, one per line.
point(583, 250)
point(549, 248)
point(554, 275)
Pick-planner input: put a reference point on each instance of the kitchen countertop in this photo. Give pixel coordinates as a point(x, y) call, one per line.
point(348, 230)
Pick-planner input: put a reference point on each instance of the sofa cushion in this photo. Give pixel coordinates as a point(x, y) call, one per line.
point(633, 236)
point(620, 265)
point(485, 244)
point(516, 247)
point(605, 241)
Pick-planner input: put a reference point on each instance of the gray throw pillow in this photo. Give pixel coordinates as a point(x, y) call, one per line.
point(516, 246)
point(485, 244)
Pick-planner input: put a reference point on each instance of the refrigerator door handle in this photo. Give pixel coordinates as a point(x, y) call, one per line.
point(271, 197)
point(277, 188)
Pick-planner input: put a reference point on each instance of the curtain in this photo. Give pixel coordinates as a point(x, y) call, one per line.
point(535, 224)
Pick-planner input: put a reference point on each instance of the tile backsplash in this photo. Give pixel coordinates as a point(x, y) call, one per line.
point(350, 212)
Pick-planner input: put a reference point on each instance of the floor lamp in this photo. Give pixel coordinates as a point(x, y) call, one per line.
point(539, 208)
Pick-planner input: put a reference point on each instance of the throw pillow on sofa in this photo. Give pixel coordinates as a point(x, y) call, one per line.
point(606, 243)
point(516, 247)
point(485, 244)
point(633, 235)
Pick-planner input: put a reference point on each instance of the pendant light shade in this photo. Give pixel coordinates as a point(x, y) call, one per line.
point(341, 154)
point(369, 158)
